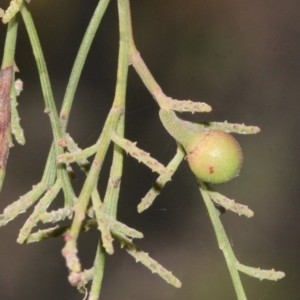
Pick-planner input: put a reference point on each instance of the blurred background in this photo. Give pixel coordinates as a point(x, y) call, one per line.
point(242, 58)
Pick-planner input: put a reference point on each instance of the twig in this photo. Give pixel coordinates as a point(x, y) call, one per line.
point(146, 260)
point(162, 180)
point(223, 242)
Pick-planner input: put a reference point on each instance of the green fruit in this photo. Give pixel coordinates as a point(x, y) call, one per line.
point(214, 156)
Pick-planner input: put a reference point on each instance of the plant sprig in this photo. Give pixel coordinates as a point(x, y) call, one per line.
point(87, 210)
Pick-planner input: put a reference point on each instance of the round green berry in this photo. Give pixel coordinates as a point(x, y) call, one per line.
point(214, 156)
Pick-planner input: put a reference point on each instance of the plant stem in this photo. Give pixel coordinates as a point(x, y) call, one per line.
point(114, 183)
point(110, 125)
point(89, 184)
point(10, 44)
point(223, 242)
point(74, 78)
point(80, 61)
point(98, 272)
point(143, 71)
point(162, 180)
point(50, 106)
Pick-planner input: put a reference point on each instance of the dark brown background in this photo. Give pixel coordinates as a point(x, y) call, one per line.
point(241, 57)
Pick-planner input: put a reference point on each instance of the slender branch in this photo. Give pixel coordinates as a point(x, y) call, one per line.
point(80, 61)
point(50, 107)
point(227, 127)
point(114, 183)
point(229, 204)
point(69, 250)
point(140, 154)
point(102, 221)
point(59, 231)
point(223, 242)
point(11, 11)
point(147, 261)
point(10, 44)
point(146, 76)
point(117, 110)
point(23, 203)
point(40, 208)
point(259, 273)
point(55, 216)
point(162, 180)
point(85, 46)
point(79, 155)
point(98, 272)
